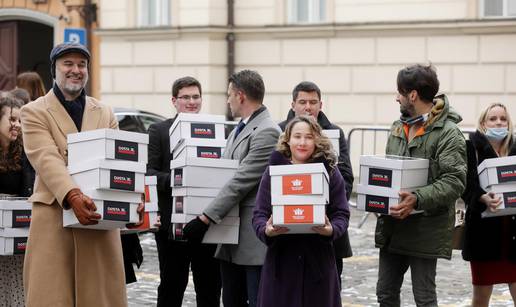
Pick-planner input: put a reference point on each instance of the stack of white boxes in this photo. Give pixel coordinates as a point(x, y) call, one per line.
point(198, 172)
point(109, 166)
point(299, 194)
point(383, 177)
point(15, 215)
point(498, 175)
point(150, 217)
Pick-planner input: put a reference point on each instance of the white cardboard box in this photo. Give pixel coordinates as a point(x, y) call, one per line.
point(109, 174)
point(15, 213)
point(202, 172)
point(299, 218)
point(378, 199)
point(151, 191)
point(197, 126)
point(226, 232)
point(497, 171)
point(199, 148)
point(13, 241)
point(507, 192)
point(107, 144)
point(299, 184)
point(115, 208)
point(195, 205)
point(334, 136)
point(393, 171)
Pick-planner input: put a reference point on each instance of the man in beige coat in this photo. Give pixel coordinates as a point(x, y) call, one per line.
point(67, 266)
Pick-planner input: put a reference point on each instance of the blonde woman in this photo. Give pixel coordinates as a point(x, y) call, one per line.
point(489, 243)
point(299, 269)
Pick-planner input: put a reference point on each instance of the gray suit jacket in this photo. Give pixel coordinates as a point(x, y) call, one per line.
point(252, 147)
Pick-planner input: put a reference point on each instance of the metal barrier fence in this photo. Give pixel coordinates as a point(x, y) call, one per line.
point(371, 140)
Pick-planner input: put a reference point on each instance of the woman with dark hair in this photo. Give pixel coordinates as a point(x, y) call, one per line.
point(299, 269)
point(489, 243)
point(16, 179)
point(32, 83)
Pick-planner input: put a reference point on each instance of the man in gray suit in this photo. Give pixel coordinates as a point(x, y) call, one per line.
point(252, 142)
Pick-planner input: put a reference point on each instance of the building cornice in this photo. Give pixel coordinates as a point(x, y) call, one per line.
point(445, 27)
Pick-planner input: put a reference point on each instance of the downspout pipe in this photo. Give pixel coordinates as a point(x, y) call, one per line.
point(230, 39)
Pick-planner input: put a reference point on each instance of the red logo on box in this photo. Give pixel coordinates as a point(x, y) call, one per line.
point(297, 184)
point(147, 194)
point(298, 214)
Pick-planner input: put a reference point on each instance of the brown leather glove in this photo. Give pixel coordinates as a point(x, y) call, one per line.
point(83, 207)
point(141, 214)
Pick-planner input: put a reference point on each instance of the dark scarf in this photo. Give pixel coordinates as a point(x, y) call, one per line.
point(74, 108)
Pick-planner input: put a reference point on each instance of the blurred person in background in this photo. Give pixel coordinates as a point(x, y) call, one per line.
point(489, 243)
point(32, 83)
point(16, 179)
point(21, 94)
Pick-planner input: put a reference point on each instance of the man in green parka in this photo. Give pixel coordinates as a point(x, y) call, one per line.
point(427, 129)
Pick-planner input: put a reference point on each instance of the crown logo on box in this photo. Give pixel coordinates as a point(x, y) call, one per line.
point(298, 211)
point(297, 183)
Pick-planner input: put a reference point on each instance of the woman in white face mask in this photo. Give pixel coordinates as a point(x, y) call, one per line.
point(489, 243)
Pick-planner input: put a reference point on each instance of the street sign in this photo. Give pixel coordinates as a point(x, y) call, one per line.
point(75, 35)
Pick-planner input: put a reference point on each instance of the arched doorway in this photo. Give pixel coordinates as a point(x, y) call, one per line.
point(26, 44)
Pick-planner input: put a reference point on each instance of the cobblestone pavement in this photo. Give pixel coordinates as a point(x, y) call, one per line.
point(359, 277)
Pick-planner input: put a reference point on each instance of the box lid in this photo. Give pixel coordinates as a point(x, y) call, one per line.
point(108, 134)
point(108, 164)
point(495, 162)
point(14, 232)
point(197, 118)
point(393, 162)
point(115, 195)
point(293, 169)
point(151, 180)
point(380, 191)
point(194, 191)
point(331, 133)
point(22, 204)
point(199, 143)
point(502, 188)
point(204, 162)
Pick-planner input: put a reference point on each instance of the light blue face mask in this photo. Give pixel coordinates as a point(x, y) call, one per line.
point(496, 134)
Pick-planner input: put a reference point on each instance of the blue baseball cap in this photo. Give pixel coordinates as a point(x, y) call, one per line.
point(66, 48)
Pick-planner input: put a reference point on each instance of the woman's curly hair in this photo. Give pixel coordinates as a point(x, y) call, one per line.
point(12, 159)
point(323, 147)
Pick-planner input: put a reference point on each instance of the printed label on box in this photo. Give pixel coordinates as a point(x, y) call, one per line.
point(121, 180)
point(116, 211)
point(21, 218)
point(178, 231)
point(20, 245)
point(147, 194)
point(209, 152)
point(297, 184)
point(178, 177)
point(509, 199)
point(202, 131)
point(179, 204)
point(506, 173)
point(380, 177)
point(125, 150)
point(378, 204)
point(298, 214)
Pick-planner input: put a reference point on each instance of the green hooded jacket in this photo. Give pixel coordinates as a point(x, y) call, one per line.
point(428, 234)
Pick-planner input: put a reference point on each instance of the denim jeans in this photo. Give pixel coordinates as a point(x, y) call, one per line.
point(392, 268)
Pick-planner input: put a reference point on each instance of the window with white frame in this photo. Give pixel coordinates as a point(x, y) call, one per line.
point(153, 13)
point(498, 8)
point(306, 11)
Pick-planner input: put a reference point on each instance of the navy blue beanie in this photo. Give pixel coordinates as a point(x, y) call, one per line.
point(63, 49)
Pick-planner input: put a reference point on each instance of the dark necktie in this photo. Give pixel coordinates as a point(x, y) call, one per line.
point(239, 128)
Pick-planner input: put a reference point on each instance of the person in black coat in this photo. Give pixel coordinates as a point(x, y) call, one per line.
point(489, 243)
point(174, 256)
point(306, 100)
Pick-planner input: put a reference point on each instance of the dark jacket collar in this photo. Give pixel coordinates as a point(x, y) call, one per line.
point(484, 148)
point(322, 120)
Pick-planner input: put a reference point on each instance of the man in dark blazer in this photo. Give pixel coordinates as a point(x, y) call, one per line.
point(306, 100)
point(174, 256)
point(251, 143)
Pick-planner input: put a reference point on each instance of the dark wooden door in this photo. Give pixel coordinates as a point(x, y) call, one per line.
point(8, 55)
